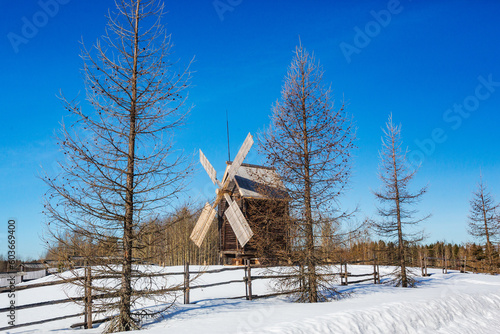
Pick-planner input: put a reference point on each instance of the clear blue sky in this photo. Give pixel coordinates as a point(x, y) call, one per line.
point(417, 62)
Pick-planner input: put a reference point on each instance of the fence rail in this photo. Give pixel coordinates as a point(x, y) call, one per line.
point(87, 299)
point(463, 265)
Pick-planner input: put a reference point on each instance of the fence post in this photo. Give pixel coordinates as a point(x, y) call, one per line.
point(425, 266)
point(345, 273)
point(245, 278)
point(445, 266)
point(88, 295)
point(378, 273)
point(374, 268)
point(341, 274)
point(301, 277)
point(249, 279)
point(421, 263)
point(186, 282)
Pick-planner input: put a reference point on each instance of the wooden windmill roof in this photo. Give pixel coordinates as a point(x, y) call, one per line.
point(259, 182)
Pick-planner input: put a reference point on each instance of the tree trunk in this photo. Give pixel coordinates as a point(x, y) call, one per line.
point(311, 265)
point(401, 250)
point(125, 300)
point(487, 234)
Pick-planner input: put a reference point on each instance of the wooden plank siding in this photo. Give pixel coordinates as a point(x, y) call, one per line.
point(267, 219)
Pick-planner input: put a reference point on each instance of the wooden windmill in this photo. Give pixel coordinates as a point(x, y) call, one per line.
point(244, 188)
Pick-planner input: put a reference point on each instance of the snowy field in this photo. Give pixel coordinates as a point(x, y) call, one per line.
point(443, 303)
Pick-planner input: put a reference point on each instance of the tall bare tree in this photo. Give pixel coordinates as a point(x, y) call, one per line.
point(121, 168)
point(309, 142)
point(397, 200)
point(484, 220)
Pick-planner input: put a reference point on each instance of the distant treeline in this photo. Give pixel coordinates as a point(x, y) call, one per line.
point(435, 253)
point(166, 242)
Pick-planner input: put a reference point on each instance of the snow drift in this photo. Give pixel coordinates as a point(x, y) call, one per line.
point(443, 303)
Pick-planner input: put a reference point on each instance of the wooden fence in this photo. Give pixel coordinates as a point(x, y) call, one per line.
point(186, 287)
point(463, 265)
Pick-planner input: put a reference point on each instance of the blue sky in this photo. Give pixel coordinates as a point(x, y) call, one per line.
point(419, 60)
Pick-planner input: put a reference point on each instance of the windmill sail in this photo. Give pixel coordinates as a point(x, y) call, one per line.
point(238, 223)
point(247, 144)
point(208, 167)
point(233, 213)
point(203, 224)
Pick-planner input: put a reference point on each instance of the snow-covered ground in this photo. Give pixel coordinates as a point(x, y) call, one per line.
point(443, 303)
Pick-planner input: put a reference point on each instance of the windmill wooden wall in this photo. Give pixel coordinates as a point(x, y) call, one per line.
point(266, 210)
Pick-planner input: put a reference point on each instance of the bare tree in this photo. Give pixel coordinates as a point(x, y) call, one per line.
point(309, 142)
point(121, 168)
point(397, 201)
point(484, 219)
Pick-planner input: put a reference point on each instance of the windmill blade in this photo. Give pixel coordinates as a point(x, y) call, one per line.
point(238, 223)
point(203, 224)
point(247, 144)
point(209, 168)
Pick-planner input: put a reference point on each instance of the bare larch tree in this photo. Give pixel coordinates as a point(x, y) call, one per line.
point(121, 169)
point(309, 142)
point(484, 219)
point(398, 222)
